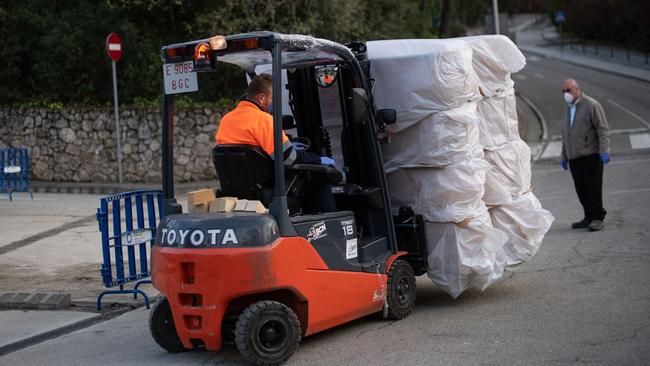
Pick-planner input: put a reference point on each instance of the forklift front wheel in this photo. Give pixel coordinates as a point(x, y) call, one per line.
point(401, 290)
point(267, 333)
point(163, 330)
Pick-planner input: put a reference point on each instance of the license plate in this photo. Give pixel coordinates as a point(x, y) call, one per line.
point(179, 78)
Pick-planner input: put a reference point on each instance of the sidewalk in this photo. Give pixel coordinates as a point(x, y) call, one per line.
point(542, 39)
point(51, 248)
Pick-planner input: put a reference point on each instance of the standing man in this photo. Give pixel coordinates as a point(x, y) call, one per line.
point(585, 149)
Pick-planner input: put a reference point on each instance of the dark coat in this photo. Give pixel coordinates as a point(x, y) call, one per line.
point(589, 133)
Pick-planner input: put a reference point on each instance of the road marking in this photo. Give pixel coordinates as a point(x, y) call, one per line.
point(623, 131)
point(640, 141)
point(532, 58)
point(45, 234)
point(646, 123)
point(553, 149)
point(520, 76)
point(624, 191)
point(539, 76)
point(628, 131)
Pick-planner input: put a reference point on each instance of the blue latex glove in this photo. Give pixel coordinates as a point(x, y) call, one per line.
point(324, 160)
point(604, 157)
point(565, 164)
point(299, 146)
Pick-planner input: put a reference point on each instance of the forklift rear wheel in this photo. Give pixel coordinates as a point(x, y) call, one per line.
point(267, 333)
point(401, 290)
point(163, 330)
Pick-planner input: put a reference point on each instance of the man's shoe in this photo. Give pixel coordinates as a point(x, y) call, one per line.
point(596, 225)
point(581, 224)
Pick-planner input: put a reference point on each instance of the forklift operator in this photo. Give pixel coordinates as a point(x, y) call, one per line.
point(251, 123)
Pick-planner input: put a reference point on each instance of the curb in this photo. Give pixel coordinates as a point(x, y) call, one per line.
point(38, 300)
point(542, 122)
point(593, 67)
point(108, 188)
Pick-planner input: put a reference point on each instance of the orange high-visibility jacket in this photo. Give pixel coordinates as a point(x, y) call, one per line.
point(249, 125)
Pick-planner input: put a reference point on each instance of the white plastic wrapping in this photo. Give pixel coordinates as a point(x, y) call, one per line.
point(525, 222)
point(466, 255)
point(498, 119)
point(509, 173)
point(449, 194)
point(438, 140)
point(417, 77)
point(495, 57)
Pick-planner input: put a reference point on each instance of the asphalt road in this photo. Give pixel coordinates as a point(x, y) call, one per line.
point(584, 298)
point(625, 100)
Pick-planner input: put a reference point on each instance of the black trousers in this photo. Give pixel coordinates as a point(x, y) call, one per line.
point(587, 175)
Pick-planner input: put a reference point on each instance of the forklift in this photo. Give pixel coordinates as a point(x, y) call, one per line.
point(265, 280)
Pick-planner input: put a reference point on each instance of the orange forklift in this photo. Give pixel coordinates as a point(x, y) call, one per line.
point(264, 281)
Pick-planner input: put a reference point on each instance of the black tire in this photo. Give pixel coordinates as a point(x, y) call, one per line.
point(401, 290)
point(163, 330)
point(267, 333)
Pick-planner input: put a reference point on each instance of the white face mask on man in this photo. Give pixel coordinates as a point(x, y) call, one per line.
point(568, 98)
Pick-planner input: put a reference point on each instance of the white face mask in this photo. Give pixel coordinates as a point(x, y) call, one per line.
point(568, 98)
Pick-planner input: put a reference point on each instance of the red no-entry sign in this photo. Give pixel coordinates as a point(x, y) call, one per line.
point(114, 46)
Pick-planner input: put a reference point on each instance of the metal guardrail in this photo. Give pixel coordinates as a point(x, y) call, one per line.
point(14, 171)
point(118, 233)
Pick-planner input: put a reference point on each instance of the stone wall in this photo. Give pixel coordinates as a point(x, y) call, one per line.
point(79, 145)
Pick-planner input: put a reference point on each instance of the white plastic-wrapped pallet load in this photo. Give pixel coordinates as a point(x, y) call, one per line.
point(450, 194)
point(509, 173)
point(434, 162)
point(419, 77)
point(495, 57)
point(440, 139)
point(525, 222)
point(498, 119)
point(464, 255)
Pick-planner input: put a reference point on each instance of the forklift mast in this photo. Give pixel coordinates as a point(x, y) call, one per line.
point(302, 51)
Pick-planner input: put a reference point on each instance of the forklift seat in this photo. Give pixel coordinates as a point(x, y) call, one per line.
point(245, 171)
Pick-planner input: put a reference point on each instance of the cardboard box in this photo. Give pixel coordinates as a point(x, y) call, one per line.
point(223, 204)
point(199, 201)
point(255, 206)
point(241, 205)
point(250, 206)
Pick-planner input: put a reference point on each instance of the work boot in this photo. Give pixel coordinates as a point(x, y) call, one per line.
point(581, 224)
point(596, 225)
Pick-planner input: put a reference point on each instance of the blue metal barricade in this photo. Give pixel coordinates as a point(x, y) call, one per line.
point(14, 171)
point(142, 208)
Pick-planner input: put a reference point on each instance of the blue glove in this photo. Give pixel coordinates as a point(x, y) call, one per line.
point(325, 160)
point(565, 164)
point(299, 146)
point(604, 157)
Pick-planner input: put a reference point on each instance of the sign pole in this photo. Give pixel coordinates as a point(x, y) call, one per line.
point(117, 125)
point(561, 40)
point(114, 52)
point(495, 10)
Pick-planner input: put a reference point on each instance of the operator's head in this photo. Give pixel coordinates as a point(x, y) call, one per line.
point(260, 90)
point(571, 87)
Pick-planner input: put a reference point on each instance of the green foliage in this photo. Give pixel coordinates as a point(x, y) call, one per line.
point(53, 51)
point(625, 22)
